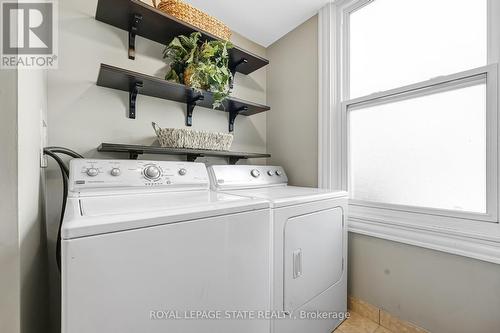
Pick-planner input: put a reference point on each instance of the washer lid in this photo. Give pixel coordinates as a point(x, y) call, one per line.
point(103, 214)
point(289, 195)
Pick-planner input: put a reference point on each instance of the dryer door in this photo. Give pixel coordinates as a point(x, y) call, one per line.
point(312, 255)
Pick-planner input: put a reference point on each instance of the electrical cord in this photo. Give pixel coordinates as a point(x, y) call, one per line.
point(65, 151)
point(52, 152)
point(59, 161)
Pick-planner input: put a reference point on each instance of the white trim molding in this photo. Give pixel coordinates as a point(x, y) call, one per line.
point(452, 233)
point(477, 246)
point(327, 70)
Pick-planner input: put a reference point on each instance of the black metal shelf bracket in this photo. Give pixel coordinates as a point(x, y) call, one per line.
point(191, 103)
point(134, 91)
point(192, 157)
point(234, 159)
point(133, 155)
point(232, 116)
point(132, 31)
point(234, 67)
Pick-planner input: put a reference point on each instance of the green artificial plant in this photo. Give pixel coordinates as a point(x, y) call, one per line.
point(200, 65)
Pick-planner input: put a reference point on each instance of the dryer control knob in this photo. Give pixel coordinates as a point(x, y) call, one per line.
point(279, 173)
point(255, 173)
point(115, 172)
point(270, 172)
point(152, 172)
point(182, 172)
point(92, 172)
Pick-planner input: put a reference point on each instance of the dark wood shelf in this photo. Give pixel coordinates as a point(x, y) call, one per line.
point(123, 79)
point(191, 154)
point(137, 83)
point(144, 20)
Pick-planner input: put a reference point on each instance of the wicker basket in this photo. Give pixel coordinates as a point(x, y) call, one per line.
point(187, 138)
point(189, 14)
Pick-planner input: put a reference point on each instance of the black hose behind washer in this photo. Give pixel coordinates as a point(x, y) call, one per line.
point(52, 152)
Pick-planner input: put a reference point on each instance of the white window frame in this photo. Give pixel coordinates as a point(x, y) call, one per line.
point(445, 83)
point(462, 233)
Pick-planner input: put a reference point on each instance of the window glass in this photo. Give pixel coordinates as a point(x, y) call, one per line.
point(427, 151)
point(399, 42)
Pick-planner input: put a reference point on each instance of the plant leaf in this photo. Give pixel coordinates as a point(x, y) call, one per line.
point(202, 65)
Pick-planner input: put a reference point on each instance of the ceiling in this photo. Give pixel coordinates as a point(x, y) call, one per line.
point(262, 21)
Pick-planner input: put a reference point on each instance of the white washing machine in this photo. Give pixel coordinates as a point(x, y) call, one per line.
point(147, 247)
point(309, 245)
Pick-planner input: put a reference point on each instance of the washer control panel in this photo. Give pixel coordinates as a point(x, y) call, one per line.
point(242, 176)
point(91, 174)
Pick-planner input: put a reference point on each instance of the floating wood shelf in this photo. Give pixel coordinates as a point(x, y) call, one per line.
point(144, 20)
point(137, 83)
point(191, 154)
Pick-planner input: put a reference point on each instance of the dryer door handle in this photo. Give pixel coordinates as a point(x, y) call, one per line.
point(297, 263)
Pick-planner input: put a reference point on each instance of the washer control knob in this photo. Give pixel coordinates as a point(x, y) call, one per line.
point(270, 172)
point(115, 172)
point(152, 172)
point(92, 172)
point(278, 173)
point(255, 173)
point(182, 172)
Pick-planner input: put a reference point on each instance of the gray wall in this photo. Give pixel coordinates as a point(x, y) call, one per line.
point(82, 115)
point(9, 241)
point(441, 292)
point(292, 83)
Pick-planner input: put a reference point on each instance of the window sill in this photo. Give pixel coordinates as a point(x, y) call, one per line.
point(473, 239)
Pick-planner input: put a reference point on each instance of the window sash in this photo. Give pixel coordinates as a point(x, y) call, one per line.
point(441, 84)
point(346, 7)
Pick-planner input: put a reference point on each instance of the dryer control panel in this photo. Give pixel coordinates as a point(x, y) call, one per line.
point(245, 176)
point(96, 174)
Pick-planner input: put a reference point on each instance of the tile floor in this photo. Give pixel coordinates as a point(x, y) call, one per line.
point(359, 324)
